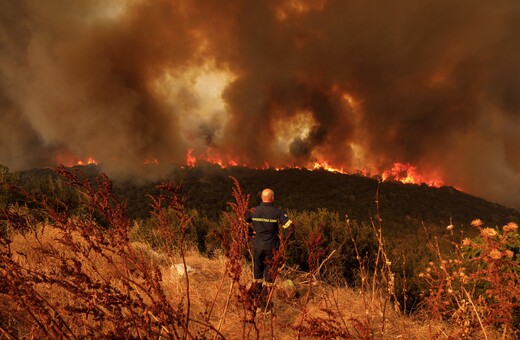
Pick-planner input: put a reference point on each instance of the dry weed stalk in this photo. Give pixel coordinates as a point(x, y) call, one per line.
point(234, 240)
point(324, 328)
point(173, 230)
point(377, 287)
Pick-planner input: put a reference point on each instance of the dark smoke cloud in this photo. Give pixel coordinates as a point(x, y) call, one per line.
point(431, 83)
point(302, 148)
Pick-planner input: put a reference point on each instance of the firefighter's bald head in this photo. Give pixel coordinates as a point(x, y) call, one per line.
point(267, 196)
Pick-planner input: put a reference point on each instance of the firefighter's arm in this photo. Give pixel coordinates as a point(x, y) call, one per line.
point(288, 229)
point(251, 231)
point(247, 220)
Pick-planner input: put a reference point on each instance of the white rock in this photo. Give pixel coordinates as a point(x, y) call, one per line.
point(179, 267)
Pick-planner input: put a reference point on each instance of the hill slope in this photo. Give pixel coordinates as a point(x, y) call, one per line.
point(208, 187)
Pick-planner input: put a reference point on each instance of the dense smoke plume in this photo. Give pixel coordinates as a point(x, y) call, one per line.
point(358, 85)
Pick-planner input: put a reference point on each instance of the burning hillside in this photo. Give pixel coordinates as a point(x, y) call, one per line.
point(423, 91)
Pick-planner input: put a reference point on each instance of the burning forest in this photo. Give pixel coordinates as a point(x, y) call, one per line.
point(417, 92)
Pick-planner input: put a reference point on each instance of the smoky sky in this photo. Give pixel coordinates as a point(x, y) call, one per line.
point(358, 84)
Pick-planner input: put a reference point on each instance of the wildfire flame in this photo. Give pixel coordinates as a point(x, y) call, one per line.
point(401, 172)
point(210, 156)
point(325, 166)
point(407, 173)
point(190, 159)
point(89, 160)
point(69, 160)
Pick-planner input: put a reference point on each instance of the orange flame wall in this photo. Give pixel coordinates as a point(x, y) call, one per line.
point(347, 85)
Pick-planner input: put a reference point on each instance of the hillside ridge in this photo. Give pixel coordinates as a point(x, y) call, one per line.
point(208, 188)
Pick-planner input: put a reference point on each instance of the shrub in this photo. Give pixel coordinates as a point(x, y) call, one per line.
point(479, 287)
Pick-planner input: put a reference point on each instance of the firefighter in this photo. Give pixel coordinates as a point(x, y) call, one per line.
point(266, 221)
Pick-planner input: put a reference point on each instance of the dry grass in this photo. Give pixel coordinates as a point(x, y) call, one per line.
point(338, 304)
point(342, 305)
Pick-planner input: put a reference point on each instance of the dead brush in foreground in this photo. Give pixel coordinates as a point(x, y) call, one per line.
point(90, 281)
point(68, 277)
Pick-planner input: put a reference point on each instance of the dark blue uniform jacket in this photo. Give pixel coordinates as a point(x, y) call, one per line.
point(266, 219)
